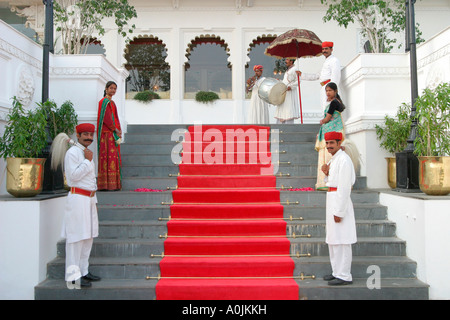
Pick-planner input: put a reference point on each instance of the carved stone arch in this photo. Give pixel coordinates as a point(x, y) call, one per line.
point(206, 38)
point(95, 41)
point(264, 38)
point(142, 38)
point(147, 64)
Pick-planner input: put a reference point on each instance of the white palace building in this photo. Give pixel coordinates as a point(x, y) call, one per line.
point(212, 46)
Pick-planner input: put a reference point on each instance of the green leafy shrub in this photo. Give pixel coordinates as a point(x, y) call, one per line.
point(146, 96)
point(433, 121)
point(395, 131)
point(62, 119)
point(25, 135)
point(206, 96)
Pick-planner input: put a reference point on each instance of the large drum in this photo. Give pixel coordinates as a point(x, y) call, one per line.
point(272, 91)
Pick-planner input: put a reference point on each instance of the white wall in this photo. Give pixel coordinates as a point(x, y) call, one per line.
point(29, 231)
point(422, 221)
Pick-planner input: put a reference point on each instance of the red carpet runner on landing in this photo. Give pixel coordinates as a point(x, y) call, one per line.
point(226, 237)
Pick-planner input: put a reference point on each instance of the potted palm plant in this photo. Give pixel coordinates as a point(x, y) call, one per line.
point(393, 135)
point(60, 120)
point(432, 144)
point(21, 144)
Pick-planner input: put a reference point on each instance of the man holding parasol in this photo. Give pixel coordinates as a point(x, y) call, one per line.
point(331, 71)
point(293, 44)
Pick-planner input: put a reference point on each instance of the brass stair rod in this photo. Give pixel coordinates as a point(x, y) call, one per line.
point(283, 174)
point(191, 219)
point(301, 277)
point(293, 236)
point(296, 255)
point(288, 203)
point(284, 188)
point(225, 219)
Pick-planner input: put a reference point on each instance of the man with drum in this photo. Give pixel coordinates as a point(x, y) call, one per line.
point(289, 110)
point(331, 71)
point(259, 109)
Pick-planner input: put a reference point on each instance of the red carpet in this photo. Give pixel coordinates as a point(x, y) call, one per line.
point(226, 237)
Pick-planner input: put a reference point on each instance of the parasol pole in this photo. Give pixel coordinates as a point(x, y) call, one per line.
point(299, 91)
point(300, 98)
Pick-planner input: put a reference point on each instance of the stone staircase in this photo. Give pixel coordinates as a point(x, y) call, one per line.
point(130, 227)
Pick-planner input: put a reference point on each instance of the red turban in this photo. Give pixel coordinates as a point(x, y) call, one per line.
point(258, 66)
point(85, 127)
point(333, 135)
point(327, 44)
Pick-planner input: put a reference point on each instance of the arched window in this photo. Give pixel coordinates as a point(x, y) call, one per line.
point(95, 46)
point(208, 68)
point(273, 67)
point(147, 67)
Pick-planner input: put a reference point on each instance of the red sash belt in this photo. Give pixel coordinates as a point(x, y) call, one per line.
point(332, 189)
point(325, 82)
point(75, 190)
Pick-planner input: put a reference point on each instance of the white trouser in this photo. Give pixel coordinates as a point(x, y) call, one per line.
point(341, 260)
point(323, 98)
point(77, 259)
point(285, 122)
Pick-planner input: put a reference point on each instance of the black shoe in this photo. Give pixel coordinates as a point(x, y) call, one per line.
point(339, 282)
point(91, 277)
point(82, 282)
point(329, 277)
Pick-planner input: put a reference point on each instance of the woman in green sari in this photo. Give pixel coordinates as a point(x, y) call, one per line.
point(332, 121)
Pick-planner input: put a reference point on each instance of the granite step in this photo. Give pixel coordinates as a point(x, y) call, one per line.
point(139, 289)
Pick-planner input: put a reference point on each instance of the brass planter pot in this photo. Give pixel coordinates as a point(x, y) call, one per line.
point(25, 176)
point(392, 172)
point(434, 175)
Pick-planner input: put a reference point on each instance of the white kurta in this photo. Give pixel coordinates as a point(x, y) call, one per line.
point(341, 176)
point(259, 109)
point(290, 108)
point(80, 219)
point(331, 70)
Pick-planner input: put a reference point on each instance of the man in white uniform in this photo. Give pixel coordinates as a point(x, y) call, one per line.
point(331, 72)
point(80, 225)
point(259, 109)
point(340, 216)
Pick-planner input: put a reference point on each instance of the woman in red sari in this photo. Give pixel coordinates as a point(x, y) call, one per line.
point(109, 134)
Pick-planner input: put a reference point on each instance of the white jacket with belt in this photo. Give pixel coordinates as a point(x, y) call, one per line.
point(341, 176)
point(80, 219)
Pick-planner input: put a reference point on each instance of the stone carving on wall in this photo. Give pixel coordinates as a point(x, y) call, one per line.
point(25, 86)
point(435, 76)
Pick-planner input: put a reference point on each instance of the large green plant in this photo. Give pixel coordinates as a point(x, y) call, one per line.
point(62, 119)
point(378, 20)
point(25, 135)
point(395, 130)
point(78, 20)
point(433, 121)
